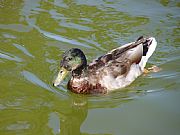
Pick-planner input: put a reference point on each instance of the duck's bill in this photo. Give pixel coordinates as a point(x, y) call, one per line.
point(61, 75)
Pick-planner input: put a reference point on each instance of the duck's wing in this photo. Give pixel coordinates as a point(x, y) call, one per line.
point(120, 59)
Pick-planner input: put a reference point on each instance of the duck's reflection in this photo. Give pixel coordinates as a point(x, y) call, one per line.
point(68, 119)
point(71, 123)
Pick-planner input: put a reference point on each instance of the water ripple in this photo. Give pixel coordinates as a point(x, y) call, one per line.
point(16, 27)
point(63, 39)
point(35, 80)
point(75, 26)
point(9, 56)
point(24, 50)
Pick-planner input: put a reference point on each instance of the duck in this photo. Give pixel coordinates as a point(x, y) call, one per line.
point(115, 70)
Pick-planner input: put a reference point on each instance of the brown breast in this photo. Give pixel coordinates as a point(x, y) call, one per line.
point(82, 86)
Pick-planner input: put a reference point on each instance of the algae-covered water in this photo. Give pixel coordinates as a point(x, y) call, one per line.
point(35, 33)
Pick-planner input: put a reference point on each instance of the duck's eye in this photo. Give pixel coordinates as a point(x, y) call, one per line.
point(69, 59)
point(61, 71)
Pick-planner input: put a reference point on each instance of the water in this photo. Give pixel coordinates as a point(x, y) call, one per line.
point(35, 33)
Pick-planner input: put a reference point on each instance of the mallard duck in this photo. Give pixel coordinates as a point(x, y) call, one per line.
point(116, 69)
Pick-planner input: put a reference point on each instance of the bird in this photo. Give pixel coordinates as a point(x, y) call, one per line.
point(114, 70)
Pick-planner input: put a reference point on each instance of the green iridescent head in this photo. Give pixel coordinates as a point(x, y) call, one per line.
point(73, 61)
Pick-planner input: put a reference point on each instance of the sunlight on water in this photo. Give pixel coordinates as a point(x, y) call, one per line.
point(10, 57)
point(23, 49)
point(35, 80)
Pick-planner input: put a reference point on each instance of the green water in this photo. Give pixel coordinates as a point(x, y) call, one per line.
point(35, 33)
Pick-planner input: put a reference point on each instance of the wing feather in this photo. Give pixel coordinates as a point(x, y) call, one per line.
point(132, 52)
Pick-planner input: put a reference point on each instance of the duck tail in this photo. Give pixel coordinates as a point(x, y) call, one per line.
point(149, 47)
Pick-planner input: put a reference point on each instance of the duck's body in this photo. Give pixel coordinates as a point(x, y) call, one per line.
point(116, 69)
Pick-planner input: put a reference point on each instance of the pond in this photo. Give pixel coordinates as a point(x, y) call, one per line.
point(35, 33)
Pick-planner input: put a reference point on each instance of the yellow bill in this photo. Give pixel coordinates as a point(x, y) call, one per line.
point(61, 75)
